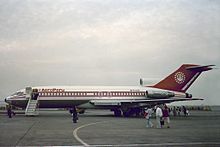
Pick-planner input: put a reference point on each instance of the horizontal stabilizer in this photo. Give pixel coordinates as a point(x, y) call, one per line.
point(200, 68)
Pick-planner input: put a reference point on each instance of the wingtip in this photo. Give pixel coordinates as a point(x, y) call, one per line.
point(197, 98)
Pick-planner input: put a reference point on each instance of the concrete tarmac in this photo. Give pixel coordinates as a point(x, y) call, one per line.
point(101, 128)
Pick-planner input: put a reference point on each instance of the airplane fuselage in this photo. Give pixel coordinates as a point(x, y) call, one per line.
point(68, 96)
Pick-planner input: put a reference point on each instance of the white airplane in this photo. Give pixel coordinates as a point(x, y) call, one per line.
point(120, 99)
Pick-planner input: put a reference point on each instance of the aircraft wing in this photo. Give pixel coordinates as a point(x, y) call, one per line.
point(166, 100)
point(118, 102)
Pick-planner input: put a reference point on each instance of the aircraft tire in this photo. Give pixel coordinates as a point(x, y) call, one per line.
point(117, 112)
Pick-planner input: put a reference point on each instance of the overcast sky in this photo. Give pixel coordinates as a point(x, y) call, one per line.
point(107, 42)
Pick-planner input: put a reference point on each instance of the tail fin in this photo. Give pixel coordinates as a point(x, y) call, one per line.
point(182, 78)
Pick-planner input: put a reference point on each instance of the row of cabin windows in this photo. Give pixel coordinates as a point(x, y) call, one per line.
point(92, 94)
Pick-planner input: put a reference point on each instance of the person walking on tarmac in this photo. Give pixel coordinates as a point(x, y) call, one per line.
point(74, 115)
point(166, 117)
point(148, 112)
point(8, 107)
point(159, 115)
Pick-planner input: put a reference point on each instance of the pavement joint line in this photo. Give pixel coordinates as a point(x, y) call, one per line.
point(83, 126)
point(25, 134)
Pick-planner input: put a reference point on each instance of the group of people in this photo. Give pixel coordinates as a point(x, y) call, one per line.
point(162, 116)
point(34, 94)
point(177, 111)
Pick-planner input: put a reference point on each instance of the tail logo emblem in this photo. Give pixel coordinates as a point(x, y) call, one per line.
point(179, 77)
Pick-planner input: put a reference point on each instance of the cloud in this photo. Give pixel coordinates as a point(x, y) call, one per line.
point(106, 42)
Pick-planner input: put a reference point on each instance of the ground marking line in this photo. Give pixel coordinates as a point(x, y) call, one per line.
point(80, 127)
point(133, 145)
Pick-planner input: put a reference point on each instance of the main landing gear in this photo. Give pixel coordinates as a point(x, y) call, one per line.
point(127, 112)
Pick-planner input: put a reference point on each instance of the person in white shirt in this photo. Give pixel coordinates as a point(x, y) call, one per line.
point(147, 114)
point(159, 115)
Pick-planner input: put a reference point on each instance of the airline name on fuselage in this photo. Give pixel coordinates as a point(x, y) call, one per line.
point(51, 90)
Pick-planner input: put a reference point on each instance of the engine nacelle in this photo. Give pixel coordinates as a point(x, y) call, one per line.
point(148, 81)
point(159, 94)
point(142, 82)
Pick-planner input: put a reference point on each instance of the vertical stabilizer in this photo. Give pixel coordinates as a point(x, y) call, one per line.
point(181, 79)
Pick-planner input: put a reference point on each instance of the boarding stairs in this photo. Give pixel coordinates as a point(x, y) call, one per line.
point(32, 106)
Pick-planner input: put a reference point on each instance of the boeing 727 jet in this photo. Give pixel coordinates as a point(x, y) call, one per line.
point(122, 100)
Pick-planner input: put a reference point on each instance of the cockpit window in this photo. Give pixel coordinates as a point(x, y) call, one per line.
point(19, 93)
